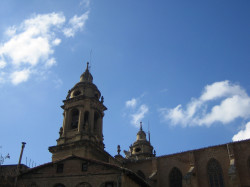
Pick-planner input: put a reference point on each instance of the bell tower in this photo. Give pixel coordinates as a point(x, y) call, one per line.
point(82, 131)
point(141, 148)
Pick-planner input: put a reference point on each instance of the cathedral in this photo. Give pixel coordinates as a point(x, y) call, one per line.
point(79, 158)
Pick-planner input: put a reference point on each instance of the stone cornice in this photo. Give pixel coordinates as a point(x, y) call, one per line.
point(82, 143)
point(94, 102)
point(83, 85)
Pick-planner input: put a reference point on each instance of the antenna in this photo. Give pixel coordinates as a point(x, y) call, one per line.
point(90, 58)
point(19, 163)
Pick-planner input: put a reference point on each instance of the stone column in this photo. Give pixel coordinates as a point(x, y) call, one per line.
point(232, 172)
point(65, 121)
point(80, 120)
point(64, 116)
point(100, 127)
point(189, 179)
point(91, 120)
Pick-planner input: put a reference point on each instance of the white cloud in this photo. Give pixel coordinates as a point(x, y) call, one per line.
point(20, 76)
point(231, 100)
point(2, 77)
point(58, 83)
point(85, 3)
point(50, 62)
point(228, 110)
point(10, 31)
point(136, 110)
point(243, 134)
point(57, 41)
point(31, 44)
point(131, 103)
point(76, 23)
point(139, 115)
point(2, 64)
point(221, 89)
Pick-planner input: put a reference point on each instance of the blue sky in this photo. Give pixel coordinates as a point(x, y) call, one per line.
point(180, 67)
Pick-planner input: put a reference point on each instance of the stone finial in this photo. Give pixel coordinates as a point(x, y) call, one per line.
point(131, 148)
point(102, 99)
point(61, 131)
point(154, 152)
point(86, 76)
point(118, 149)
point(140, 126)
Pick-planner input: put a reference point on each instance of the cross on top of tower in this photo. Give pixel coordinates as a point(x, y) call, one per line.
point(87, 65)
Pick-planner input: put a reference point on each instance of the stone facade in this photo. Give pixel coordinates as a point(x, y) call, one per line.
point(76, 171)
point(79, 158)
point(233, 159)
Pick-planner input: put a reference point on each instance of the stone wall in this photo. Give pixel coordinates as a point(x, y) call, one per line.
point(234, 159)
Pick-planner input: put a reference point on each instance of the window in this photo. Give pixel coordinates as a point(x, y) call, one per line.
point(141, 174)
point(59, 168)
point(75, 119)
point(83, 184)
point(109, 184)
point(175, 178)
point(76, 93)
point(214, 173)
point(137, 149)
point(59, 185)
point(85, 166)
point(96, 119)
point(33, 184)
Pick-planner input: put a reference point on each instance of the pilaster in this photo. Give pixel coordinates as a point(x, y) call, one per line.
point(81, 120)
point(91, 120)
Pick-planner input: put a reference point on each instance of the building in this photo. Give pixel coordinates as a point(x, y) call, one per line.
point(80, 160)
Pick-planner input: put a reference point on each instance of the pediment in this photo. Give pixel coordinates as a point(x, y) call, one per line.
point(72, 165)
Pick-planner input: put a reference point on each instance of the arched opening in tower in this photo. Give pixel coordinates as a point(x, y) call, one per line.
point(75, 119)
